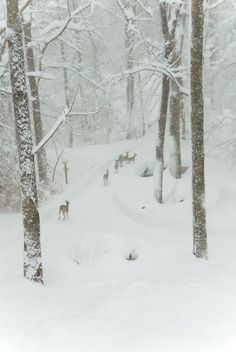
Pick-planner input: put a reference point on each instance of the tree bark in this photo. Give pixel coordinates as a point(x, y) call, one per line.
point(197, 132)
point(159, 168)
point(31, 222)
point(35, 102)
point(66, 89)
point(129, 48)
point(158, 173)
point(174, 60)
point(175, 113)
point(142, 108)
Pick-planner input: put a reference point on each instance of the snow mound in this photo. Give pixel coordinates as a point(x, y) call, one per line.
point(104, 248)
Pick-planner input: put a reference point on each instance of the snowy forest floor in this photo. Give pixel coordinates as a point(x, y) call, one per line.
point(94, 299)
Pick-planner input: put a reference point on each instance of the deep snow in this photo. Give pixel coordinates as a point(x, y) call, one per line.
point(94, 299)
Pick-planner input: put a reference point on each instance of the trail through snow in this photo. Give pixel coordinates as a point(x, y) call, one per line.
point(94, 299)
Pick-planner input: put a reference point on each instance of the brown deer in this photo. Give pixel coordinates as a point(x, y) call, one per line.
point(64, 209)
point(121, 160)
point(131, 159)
point(116, 166)
point(126, 157)
point(105, 177)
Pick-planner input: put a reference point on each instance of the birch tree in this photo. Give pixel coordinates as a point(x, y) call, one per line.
point(197, 131)
point(31, 221)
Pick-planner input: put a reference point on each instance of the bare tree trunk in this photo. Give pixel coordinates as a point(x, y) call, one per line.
point(159, 168)
point(32, 247)
point(36, 110)
point(129, 48)
point(142, 112)
point(158, 173)
point(197, 129)
point(175, 95)
point(175, 113)
point(66, 88)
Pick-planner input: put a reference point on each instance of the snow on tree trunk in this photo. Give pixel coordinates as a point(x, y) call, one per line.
point(36, 110)
point(197, 130)
point(31, 222)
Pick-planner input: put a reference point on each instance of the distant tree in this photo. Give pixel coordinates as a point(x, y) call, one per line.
point(35, 102)
point(129, 8)
point(158, 179)
point(31, 221)
point(172, 20)
point(9, 172)
point(175, 99)
point(197, 130)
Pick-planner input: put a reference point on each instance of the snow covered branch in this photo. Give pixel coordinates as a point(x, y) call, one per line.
point(64, 25)
point(67, 67)
point(52, 131)
point(216, 4)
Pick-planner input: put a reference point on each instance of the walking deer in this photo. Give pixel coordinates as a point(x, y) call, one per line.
point(105, 177)
point(64, 209)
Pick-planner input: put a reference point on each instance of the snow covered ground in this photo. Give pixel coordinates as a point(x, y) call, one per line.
point(94, 299)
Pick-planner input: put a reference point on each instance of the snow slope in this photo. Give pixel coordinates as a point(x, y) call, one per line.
point(94, 299)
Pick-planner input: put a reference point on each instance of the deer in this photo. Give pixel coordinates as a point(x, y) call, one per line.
point(121, 160)
point(116, 166)
point(64, 209)
point(126, 157)
point(105, 177)
point(131, 159)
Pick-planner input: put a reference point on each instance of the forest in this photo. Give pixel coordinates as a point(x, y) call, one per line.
point(117, 175)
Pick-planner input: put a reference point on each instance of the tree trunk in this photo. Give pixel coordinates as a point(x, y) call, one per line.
point(130, 104)
point(142, 108)
point(175, 113)
point(159, 168)
point(66, 89)
point(31, 222)
point(197, 131)
point(175, 107)
point(129, 48)
point(158, 173)
point(36, 110)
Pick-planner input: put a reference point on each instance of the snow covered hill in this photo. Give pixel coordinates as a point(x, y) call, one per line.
point(94, 299)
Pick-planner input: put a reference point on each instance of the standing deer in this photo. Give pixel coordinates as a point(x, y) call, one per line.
point(116, 166)
point(131, 159)
point(105, 177)
point(121, 160)
point(126, 157)
point(64, 209)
